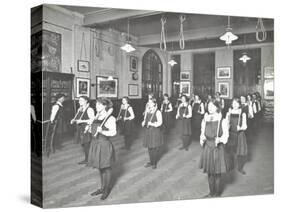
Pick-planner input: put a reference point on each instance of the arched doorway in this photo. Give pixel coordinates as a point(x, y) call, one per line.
point(152, 74)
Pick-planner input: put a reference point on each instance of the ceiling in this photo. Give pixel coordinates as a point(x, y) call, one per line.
point(147, 23)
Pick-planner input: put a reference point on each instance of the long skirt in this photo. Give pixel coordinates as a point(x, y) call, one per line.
point(213, 158)
point(127, 127)
point(185, 126)
point(152, 137)
point(242, 148)
point(166, 122)
point(101, 153)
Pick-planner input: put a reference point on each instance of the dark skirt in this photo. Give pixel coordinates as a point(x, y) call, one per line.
point(83, 137)
point(213, 159)
point(185, 126)
point(101, 153)
point(166, 121)
point(196, 121)
point(232, 139)
point(126, 127)
point(152, 137)
point(242, 148)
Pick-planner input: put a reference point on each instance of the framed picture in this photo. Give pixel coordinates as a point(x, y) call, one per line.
point(223, 88)
point(268, 89)
point(82, 87)
point(133, 63)
point(133, 90)
point(268, 72)
point(107, 87)
point(223, 72)
point(185, 75)
point(83, 66)
point(185, 88)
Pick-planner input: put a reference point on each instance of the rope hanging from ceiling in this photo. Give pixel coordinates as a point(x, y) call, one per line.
point(260, 29)
point(181, 40)
point(163, 45)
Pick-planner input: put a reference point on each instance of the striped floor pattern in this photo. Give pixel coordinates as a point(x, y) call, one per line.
point(67, 184)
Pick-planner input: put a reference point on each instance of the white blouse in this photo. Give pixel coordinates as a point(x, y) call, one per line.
point(110, 124)
point(225, 128)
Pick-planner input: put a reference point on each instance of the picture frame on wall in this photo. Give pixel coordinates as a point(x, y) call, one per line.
point(223, 88)
point(106, 87)
point(268, 72)
point(133, 63)
point(223, 72)
point(185, 88)
point(83, 66)
point(82, 87)
point(133, 90)
point(268, 89)
point(185, 75)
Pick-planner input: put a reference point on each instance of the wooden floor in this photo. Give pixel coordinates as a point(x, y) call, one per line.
point(68, 184)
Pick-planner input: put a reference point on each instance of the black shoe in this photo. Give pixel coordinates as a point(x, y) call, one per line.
point(147, 165)
point(186, 148)
point(82, 162)
point(97, 192)
point(210, 195)
point(182, 148)
point(242, 171)
point(154, 166)
point(104, 195)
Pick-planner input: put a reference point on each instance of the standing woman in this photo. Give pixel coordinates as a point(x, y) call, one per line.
point(256, 110)
point(214, 134)
point(54, 136)
point(166, 109)
point(198, 112)
point(184, 114)
point(83, 118)
point(251, 113)
point(126, 116)
point(209, 98)
point(102, 154)
point(152, 137)
point(220, 100)
point(237, 125)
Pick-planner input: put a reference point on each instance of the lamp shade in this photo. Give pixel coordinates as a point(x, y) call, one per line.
point(228, 36)
point(128, 48)
point(172, 62)
point(244, 57)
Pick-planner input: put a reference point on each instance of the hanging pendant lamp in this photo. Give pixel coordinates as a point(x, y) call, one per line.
point(127, 47)
point(228, 36)
point(244, 58)
point(172, 62)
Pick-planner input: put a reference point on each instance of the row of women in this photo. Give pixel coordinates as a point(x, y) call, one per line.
point(216, 133)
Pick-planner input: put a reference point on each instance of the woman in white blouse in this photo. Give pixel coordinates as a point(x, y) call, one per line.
point(102, 154)
point(153, 139)
point(214, 134)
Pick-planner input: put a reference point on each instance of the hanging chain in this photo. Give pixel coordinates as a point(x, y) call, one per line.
point(260, 28)
point(163, 45)
point(181, 40)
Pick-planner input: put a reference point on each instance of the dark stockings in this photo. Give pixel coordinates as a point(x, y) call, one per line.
point(153, 155)
point(186, 141)
point(240, 163)
point(214, 184)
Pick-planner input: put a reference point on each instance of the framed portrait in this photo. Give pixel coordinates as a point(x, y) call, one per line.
point(185, 88)
point(83, 66)
point(185, 75)
point(268, 72)
point(107, 87)
point(133, 90)
point(223, 72)
point(223, 88)
point(82, 87)
point(268, 89)
point(133, 63)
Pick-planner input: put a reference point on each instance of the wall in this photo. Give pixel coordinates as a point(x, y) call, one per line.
point(224, 57)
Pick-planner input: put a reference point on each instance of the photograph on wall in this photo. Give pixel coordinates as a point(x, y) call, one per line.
point(107, 87)
point(83, 66)
point(82, 87)
point(133, 63)
point(268, 72)
point(51, 51)
point(185, 75)
point(223, 72)
point(223, 89)
point(185, 88)
point(269, 89)
point(135, 88)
